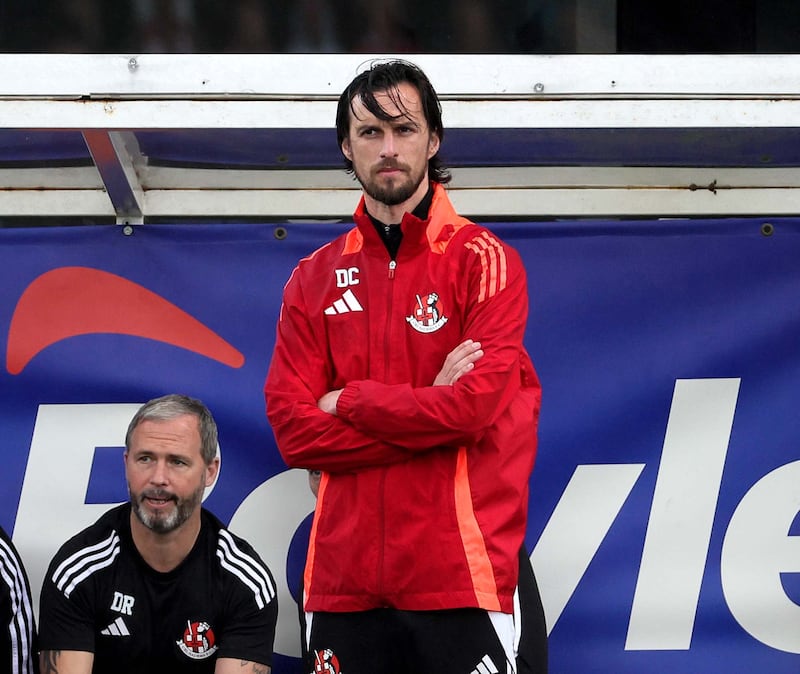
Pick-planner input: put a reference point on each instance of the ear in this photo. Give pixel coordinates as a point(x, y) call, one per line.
point(433, 145)
point(211, 471)
point(346, 151)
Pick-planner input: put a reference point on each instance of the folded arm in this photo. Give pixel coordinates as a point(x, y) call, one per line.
point(421, 418)
point(308, 437)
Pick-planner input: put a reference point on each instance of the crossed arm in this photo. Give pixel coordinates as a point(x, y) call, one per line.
point(80, 662)
point(458, 362)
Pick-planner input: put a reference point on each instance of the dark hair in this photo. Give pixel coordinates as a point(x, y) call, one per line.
point(386, 76)
point(175, 405)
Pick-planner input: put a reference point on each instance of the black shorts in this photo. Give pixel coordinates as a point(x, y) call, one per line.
point(389, 641)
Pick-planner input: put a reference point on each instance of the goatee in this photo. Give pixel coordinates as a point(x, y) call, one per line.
point(389, 192)
point(162, 523)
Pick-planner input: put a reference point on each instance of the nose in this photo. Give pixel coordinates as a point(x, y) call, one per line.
point(388, 148)
point(159, 474)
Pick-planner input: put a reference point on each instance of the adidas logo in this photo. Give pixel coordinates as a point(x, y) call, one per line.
point(116, 629)
point(344, 305)
point(485, 666)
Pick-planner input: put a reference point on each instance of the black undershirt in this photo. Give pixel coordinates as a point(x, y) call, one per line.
point(392, 234)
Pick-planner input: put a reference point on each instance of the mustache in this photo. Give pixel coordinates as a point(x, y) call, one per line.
point(391, 164)
point(158, 494)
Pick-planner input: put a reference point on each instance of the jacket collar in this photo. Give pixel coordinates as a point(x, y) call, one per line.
point(433, 232)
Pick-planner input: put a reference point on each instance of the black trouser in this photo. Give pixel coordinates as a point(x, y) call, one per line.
point(389, 641)
point(532, 654)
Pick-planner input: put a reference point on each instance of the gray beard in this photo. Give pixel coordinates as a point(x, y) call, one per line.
point(163, 525)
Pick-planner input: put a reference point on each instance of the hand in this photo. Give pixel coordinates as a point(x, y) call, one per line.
point(327, 403)
point(459, 361)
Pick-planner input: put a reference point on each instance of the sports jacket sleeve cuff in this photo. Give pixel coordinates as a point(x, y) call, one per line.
point(344, 405)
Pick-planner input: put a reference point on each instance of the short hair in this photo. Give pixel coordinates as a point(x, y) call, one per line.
point(386, 76)
point(175, 405)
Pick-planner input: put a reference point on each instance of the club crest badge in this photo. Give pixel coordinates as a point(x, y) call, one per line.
point(198, 641)
point(325, 662)
point(427, 315)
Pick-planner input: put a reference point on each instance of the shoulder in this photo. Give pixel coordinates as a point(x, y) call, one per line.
point(9, 556)
point(316, 271)
point(107, 527)
point(474, 234)
point(491, 265)
point(449, 231)
point(472, 241)
point(344, 243)
point(241, 564)
point(88, 552)
point(12, 572)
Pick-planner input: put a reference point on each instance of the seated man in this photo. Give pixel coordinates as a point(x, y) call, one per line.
point(159, 584)
point(17, 649)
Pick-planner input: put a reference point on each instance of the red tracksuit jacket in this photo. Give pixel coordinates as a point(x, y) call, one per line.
point(423, 498)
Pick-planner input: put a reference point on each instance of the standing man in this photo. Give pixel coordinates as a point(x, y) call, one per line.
point(158, 584)
point(18, 638)
point(422, 505)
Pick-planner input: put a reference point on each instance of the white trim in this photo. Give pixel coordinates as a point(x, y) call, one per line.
point(466, 114)
point(83, 563)
point(253, 75)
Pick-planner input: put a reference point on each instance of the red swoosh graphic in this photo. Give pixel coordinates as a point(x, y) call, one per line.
point(72, 301)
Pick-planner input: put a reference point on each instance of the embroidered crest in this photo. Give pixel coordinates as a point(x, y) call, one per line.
point(427, 315)
point(198, 641)
point(325, 662)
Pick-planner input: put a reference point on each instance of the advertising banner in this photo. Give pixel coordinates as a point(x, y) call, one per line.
point(663, 521)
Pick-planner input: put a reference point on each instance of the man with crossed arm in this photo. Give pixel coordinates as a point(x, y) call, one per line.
point(413, 561)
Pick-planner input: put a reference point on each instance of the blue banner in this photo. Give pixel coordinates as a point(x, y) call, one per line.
point(664, 504)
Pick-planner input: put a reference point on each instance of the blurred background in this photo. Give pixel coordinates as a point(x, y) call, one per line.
point(400, 26)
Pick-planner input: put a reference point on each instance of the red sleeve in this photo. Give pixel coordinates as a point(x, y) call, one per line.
point(434, 416)
point(298, 376)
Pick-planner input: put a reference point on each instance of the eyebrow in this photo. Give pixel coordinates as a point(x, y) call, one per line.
point(400, 120)
point(152, 452)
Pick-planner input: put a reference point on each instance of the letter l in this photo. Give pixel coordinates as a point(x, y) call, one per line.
point(682, 514)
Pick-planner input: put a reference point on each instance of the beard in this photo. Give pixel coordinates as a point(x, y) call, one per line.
point(390, 192)
point(161, 522)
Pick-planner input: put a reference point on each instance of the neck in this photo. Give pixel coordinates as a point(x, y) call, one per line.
point(164, 552)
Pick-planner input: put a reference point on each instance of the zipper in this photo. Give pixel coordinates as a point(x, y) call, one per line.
point(381, 534)
point(385, 469)
point(387, 326)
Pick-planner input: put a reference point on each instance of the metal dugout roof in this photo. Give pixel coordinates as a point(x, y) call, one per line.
point(132, 138)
